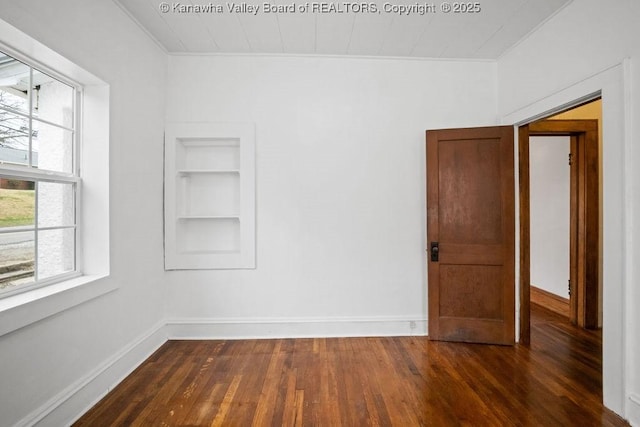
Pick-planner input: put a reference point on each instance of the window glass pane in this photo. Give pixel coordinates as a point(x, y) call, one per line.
point(14, 139)
point(17, 255)
point(55, 252)
point(52, 100)
point(14, 84)
point(17, 203)
point(55, 204)
point(53, 147)
point(17, 250)
point(37, 219)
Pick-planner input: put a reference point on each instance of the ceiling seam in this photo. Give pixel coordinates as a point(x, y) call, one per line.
point(148, 2)
point(280, 32)
point(393, 18)
point(533, 30)
point(244, 31)
point(142, 27)
point(353, 26)
point(335, 56)
point(206, 28)
point(315, 33)
point(514, 13)
point(424, 30)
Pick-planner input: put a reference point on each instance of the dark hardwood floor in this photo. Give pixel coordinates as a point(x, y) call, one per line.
point(405, 381)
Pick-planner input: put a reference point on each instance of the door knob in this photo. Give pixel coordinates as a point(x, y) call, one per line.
point(434, 251)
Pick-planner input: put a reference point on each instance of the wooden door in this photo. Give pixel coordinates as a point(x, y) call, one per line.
point(471, 235)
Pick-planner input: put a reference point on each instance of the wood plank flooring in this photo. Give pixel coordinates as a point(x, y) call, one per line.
point(401, 381)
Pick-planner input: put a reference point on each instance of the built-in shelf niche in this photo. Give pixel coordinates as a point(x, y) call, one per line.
point(209, 196)
point(225, 230)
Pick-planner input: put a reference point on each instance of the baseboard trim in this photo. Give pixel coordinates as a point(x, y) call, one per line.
point(553, 302)
point(75, 400)
point(72, 402)
point(633, 410)
point(254, 328)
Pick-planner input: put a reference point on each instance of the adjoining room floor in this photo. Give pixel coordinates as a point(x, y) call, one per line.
point(400, 381)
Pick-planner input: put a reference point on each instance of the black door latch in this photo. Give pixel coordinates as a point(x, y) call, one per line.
point(434, 251)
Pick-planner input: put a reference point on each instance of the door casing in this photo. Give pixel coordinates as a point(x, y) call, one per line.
point(584, 207)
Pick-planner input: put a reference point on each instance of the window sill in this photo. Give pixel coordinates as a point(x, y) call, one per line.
point(18, 311)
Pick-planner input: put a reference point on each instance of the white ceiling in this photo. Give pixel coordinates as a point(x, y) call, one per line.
point(484, 35)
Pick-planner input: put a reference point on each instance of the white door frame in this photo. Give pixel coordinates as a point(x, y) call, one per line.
point(611, 84)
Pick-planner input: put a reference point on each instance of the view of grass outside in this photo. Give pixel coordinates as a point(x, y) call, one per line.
point(17, 251)
point(37, 227)
point(16, 207)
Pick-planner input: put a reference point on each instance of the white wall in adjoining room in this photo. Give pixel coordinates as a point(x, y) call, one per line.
point(584, 49)
point(52, 362)
point(549, 204)
point(340, 188)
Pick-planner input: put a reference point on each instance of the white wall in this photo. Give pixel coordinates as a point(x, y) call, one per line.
point(580, 50)
point(549, 198)
point(340, 189)
point(46, 361)
point(340, 164)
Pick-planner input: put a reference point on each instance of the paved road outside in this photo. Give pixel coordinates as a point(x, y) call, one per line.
point(16, 247)
point(16, 256)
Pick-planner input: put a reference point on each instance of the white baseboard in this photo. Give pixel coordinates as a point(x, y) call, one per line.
point(633, 410)
point(248, 328)
point(68, 405)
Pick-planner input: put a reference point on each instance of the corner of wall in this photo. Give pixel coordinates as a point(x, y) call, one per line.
point(67, 406)
point(633, 410)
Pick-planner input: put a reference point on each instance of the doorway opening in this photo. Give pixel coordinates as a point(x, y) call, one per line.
point(578, 128)
point(550, 214)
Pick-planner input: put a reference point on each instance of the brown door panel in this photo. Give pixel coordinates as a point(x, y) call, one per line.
point(470, 214)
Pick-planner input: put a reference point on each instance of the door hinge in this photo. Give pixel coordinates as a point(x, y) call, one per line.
point(570, 159)
point(569, 285)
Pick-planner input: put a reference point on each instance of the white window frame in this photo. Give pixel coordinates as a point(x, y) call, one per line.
point(93, 241)
point(30, 173)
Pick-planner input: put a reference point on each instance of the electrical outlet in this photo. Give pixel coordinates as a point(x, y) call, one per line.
point(412, 324)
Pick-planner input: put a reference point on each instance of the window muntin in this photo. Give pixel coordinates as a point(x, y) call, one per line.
point(52, 147)
point(38, 177)
point(14, 84)
point(52, 100)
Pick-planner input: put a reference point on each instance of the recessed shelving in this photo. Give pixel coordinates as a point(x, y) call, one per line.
point(209, 196)
point(209, 236)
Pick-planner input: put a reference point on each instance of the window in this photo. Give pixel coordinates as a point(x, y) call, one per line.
point(78, 272)
point(39, 179)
